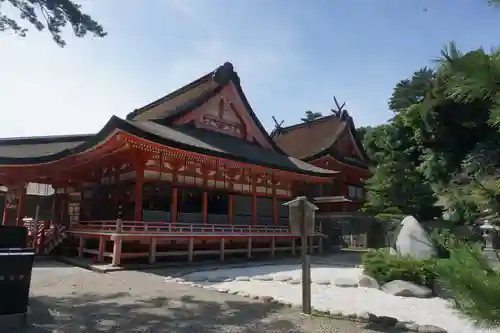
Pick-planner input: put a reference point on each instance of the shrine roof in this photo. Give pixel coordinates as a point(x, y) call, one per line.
point(313, 139)
point(39, 146)
point(219, 145)
point(36, 150)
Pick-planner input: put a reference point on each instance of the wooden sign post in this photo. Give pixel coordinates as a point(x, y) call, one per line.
point(302, 218)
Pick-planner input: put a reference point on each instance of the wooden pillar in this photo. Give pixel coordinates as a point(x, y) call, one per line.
point(116, 189)
point(102, 248)
point(139, 182)
point(230, 209)
point(294, 246)
point(204, 206)
point(254, 200)
point(275, 210)
point(222, 249)
point(190, 249)
point(254, 209)
point(81, 245)
point(275, 206)
point(5, 209)
point(174, 204)
point(53, 208)
point(249, 247)
point(117, 251)
point(273, 246)
point(21, 192)
point(152, 250)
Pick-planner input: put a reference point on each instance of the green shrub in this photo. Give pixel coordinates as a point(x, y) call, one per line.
point(473, 285)
point(384, 267)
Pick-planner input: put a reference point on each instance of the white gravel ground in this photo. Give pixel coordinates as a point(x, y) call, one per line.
point(433, 311)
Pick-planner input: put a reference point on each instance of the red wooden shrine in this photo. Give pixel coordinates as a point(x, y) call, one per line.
point(193, 173)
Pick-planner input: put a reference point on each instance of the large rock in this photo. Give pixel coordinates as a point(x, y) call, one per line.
point(345, 282)
point(406, 289)
point(413, 240)
point(368, 282)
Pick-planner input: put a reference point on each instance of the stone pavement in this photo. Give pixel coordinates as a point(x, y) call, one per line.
point(70, 299)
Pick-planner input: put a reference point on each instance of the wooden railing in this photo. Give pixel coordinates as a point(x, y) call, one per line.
point(165, 227)
point(44, 234)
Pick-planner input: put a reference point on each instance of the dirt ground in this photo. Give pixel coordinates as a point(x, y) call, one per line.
point(70, 299)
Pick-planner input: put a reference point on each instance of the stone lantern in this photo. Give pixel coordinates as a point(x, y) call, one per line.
point(489, 232)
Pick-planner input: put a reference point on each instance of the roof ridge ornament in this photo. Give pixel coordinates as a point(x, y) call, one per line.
point(339, 111)
point(223, 73)
point(278, 126)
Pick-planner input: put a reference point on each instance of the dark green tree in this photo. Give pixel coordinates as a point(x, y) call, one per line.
point(396, 185)
point(55, 15)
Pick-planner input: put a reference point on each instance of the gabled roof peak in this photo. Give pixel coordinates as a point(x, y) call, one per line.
point(220, 76)
point(341, 116)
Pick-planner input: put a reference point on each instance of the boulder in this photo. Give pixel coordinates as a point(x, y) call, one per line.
point(242, 278)
point(345, 283)
point(282, 278)
point(413, 240)
point(322, 282)
point(430, 329)
point(262, 278)
point(368, 282)
point(406, 289)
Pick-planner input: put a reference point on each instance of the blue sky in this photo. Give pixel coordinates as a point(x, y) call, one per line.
point(291, 56)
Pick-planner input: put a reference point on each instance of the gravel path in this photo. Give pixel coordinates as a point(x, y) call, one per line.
point(69, 299)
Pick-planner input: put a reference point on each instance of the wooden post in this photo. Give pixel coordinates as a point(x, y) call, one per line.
point(139, 182)
point(306, 261)
point(152, 250)
point(230, 209)
point(190, 249)
point(102, 247)
point(275, 204)
point(293, 246)
point(273, 246)
point(253, 180)
point(174, 204)
point(249, 247)
point(254, 209)
point(222, 250)
point(204, 207)
point(275, 211)
point(20, 204)
point(5, 208)
point(173, 207)
point(117, 251)
point(35, 230)
point(320, 241)
point(81, 245)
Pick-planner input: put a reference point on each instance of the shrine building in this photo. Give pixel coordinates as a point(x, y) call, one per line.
point(193, 173)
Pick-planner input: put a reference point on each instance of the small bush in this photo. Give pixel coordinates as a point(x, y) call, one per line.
point(384, 267)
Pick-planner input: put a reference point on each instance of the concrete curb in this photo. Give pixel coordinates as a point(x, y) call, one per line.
point(366, 317)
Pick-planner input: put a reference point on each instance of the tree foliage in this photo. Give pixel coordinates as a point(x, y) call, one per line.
point(472, 283)
point(56, 14)
point(396, 184)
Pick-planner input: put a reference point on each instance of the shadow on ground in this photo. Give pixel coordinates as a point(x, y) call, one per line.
point(92, 313)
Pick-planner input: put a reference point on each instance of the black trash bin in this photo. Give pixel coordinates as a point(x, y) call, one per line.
point(16, 265)
point(13, 236)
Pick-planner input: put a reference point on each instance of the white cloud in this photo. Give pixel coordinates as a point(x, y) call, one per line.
point(47, 90)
